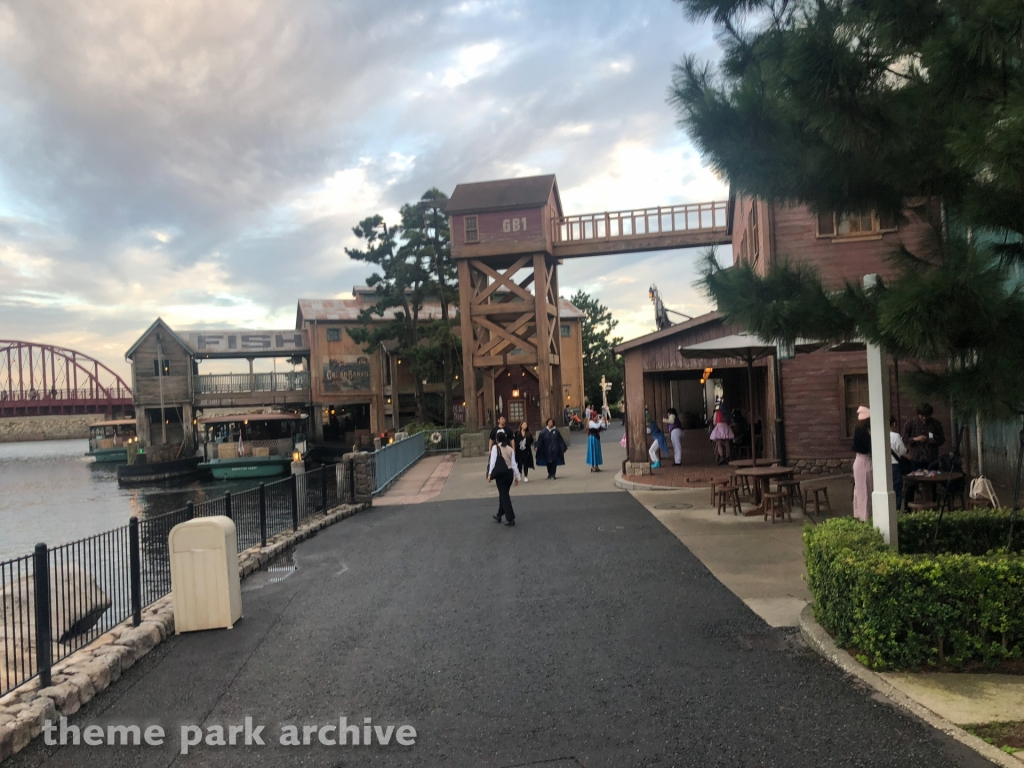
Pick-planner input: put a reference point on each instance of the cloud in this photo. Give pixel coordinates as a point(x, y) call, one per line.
point(206, 160)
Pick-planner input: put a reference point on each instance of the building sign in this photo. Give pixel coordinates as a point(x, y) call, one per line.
point(349, 374)
point(247, 343)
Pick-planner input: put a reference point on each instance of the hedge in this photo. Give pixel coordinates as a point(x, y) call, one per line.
point(971, 532)
point(914, 611)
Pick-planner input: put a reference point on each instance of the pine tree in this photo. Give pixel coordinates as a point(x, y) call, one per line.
point(852, 106)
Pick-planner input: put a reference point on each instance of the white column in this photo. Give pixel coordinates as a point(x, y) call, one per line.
point(883, 499)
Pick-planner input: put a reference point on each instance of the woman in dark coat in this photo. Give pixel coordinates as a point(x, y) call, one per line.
point(524, 450)
point(551, 449)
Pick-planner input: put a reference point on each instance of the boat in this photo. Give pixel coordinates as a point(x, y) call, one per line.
point(248, 445)
point(144, 472)
point(110, 440)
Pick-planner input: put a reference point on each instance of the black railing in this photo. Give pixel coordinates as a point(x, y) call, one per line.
point(89, 586)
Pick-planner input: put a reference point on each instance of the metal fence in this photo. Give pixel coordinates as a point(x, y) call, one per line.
point(444, 440)
point(392, 460)
point(58, 600)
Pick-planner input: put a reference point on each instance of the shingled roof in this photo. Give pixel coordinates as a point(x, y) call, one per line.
point(503, 195)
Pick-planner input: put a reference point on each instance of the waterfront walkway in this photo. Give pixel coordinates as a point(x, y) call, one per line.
point(588, 635)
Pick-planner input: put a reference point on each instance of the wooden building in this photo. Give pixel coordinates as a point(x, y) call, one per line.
point(170, 393)
point(806, 405)
point(370, 392)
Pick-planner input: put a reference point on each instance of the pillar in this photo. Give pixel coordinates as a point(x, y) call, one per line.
point(543, 320)
point(468, 346)
point(883, 499)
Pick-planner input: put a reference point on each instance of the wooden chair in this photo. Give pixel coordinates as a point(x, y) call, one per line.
point(776, 504)
point(792, 490)
point(816, 497)
point(728, 494)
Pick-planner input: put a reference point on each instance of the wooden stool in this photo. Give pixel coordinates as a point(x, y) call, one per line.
point(775, 504)
point(726, 494)
point(716, 484)
point(792, 491)
point(818, 497)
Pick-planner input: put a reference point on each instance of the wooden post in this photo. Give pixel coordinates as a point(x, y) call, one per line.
point(468, 348)
point(540, 292)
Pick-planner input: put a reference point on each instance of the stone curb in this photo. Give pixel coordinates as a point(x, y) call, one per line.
point(86, 672)
point(818, 639)
point(629, 485)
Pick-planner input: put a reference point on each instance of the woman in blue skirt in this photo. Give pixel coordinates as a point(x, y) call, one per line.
point(595, 426)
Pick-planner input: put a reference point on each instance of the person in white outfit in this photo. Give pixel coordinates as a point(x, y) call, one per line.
point(897, 449)
point(675, 434)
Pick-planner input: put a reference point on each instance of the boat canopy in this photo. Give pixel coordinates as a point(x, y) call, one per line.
point(113, 423)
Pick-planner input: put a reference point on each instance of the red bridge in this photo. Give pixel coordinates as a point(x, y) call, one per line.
point(42, 380)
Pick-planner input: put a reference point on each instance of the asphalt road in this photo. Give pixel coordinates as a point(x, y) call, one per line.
point(586, 636)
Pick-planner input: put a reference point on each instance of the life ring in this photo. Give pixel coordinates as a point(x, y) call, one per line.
point(435, 438)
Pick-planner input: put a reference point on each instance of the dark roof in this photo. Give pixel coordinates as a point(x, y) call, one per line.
point(504, 194)
point(696, 322)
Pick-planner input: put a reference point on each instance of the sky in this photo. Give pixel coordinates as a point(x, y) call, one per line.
point(206, 160)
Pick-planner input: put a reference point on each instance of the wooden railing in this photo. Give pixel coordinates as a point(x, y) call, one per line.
point(671, 219)
point(229, 383)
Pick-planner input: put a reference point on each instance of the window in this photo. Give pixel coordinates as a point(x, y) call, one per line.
point(472, 233)
point(855, 394)
point(566, 330)
point(334, 334)
point(516, 411)
point(167, 368)
point(855, 225)
point(755, 238)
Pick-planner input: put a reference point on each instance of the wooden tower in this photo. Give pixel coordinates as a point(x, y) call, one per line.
point(508, 288)
point(508, 238)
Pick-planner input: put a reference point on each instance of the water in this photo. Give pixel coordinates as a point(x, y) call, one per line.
point(51, 492)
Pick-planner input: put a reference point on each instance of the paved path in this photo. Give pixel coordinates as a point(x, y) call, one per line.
point(586, 636)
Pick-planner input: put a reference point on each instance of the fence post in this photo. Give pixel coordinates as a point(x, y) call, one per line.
point(190, 510)
point(295, 502)
point(135, 566)
point(44, 643)
point(323, 489)
point(227, 504)
point(263, 515)
point(350, 467)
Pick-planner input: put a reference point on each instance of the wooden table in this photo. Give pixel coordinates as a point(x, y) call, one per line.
point(748, 463)
point(932, 481)
point(762, 477)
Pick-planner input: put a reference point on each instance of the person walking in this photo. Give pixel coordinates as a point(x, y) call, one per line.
point(898, 450)
point(503, 471)
point(595, 427)
point(675, 436)
point(659, 447)
point(524, 451)
point(551, 449)
point(722, 435)
point(863, 482)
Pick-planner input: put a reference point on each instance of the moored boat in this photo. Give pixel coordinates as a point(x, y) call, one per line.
point(144, 472)
point(109, 441)
point(252, 444)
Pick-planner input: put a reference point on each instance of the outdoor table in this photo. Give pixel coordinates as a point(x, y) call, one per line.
point(762, 477)
point(932, 481)
point(747, 463)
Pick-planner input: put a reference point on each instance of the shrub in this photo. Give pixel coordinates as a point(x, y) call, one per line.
point(974, 532)
point(908, 611)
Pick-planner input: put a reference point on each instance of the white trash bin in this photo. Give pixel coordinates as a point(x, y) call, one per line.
point(205, 585)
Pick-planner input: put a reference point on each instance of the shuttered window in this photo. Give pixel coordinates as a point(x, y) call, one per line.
point(472, 233)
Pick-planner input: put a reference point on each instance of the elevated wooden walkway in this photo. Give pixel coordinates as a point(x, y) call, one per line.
point(641, 229)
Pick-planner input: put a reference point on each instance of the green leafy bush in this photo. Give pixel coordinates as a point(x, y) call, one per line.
point(974, 532)
point(909, 611)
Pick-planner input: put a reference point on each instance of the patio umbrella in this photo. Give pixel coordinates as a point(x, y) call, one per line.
point(748, 348)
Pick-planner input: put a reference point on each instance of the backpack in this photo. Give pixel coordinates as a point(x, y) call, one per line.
point(501, 466)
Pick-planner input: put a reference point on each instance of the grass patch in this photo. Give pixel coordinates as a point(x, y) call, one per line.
point(1008, 736)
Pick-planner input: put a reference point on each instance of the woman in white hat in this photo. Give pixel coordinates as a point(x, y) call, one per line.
point(863, 484)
